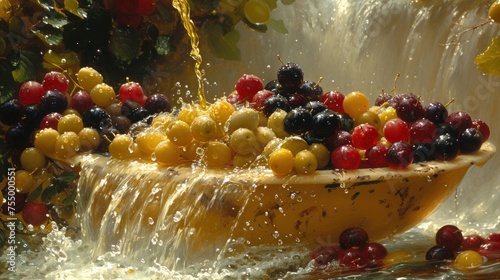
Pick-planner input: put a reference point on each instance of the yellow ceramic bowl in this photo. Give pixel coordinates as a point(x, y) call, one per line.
point(208, 207)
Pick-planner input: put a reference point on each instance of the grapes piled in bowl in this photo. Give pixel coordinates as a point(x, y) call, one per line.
point(384, 167)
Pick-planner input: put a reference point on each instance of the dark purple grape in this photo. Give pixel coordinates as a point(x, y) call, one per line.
point(346, 122)
point(32, 115)
point(377, 156)
point(17, 137)
point(315, 107)
point(129, 106)
point(436, 112)
point(408, 108)
point(115, 109)
point(53, 101)
point(81, 101)
point(399, 155)
point(290, 76)
point(275, 102)
point(383, 98)
point(311, 139)
point(423, 152)
point(272, 85)
point(325, 124)
point(446, 147)
point(139, 114)
point(470, 140)
point(353, 237)
point(422, 131)
point(11, 112)
point(121, 123)
point(342, 138)
point(93, 117)
point(323, 255)
point(158, 103)
point(446, 128)
point(298, 121)
point(297, 100)
point(459, 120)
point(311, 90)
point(449, 236)
point(439, 253)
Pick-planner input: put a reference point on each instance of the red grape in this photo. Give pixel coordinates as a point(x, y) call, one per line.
point(146, 7)
point(325, 254)
point(31, 92)
point(346, 157)
point(494, 237)
point(399, 155)
point(450, 237)
point(50, 120)
point(353, 237)
point(396, 130)
point(377, 156)
point(472, 242)
point(248, 85)
point(35, 213)
point(81, 101)
point(55, 81)
point(422, 131)
point(334, 101)
point(374, 251)
point(352, 258)
point(490, 249)
point(157, 103)
point(483, 128)
point(459, 120)
point(339, 139)
point(131, 91)
point(364, 136)
point(259, 98)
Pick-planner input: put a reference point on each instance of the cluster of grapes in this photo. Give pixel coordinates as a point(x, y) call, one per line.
point(397, 131)
point(131, 12)
point(466, 251)
point(48, 122)
point(353, 251)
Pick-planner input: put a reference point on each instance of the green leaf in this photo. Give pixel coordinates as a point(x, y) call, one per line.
point(66, 177)
point(55, 20)
point(64, 59)
point(28, 66)
point(73, 7)
point(277, 25)
point(164, 45)
point(224, 45)
point(489, 61)
point(35, 193)
point(124, 44)
point(49, 35)
point(69, 200)
point(48, 193)
point(287, 2)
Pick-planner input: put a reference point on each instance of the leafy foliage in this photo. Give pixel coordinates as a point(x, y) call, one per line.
point(489, 61)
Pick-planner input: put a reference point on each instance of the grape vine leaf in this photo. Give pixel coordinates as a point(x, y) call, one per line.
point(72, 6)
point(272, 4)
point(224, 45)
point(27, 65)
point(489, 61)
point(124, 44)
point(63, 59)
point(277, 25)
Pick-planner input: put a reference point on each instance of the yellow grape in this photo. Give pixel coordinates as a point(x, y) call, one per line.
point(45, 140)
point(147, 140)
point(294, 144)
point(24, 181)
point(218, 153)
point(121, 146)
point(188, 113)
point(204, 128)
point(494, 12)
point(194, 150)
point(179, 132)
point(275, 122)
point(264, 135)
point(322, 154)
point(220, 111)
point(70, 111)
point(305, 162)
point(244, 142)
point(32, 159)
point(103, 95)
point(243, 161)
point(88, 78)
point(69, 122)
point(243, 118)
point(257, 11)
point(355, 103)
point(67, 145)
point(89, 139)
point(162, 121)
point(167, 153)
point(468, 259)
point(281, 162)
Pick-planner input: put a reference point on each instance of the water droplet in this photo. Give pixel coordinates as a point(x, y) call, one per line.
point(177, 217)
point(151, 221)
point(276, 234)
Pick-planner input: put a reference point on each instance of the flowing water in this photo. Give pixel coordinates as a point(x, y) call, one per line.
point(353, 45)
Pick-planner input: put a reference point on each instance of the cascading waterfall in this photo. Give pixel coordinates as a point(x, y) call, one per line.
point(354, 45)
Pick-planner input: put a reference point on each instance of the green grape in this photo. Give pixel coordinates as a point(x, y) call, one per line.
point(275, 122)
point(305, 162)
point(88, 78)
point(103, 95)
point(148, 140)
point(121, 146)
point(89, 139)
point(264, 135)
point(257, 11)
point(70, 122)
point(322, 154)
point(32, 159)
point(45, 140)
point(243, 118)
point(167, 153)
point(294, 144)
point(243, 142)
point(368, 117)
